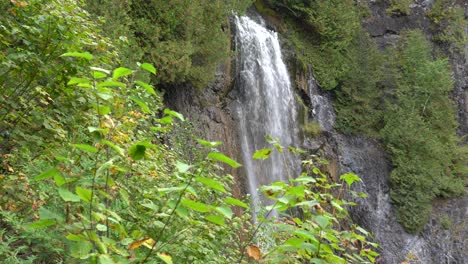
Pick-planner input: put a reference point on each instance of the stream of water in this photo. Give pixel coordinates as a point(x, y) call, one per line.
point(267, 105)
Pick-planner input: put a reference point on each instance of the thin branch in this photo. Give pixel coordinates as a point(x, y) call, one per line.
point(158, 237)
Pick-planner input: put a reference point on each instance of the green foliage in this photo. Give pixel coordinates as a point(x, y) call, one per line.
point(94, 169)
point(321, 33)
point(32, 74)
point(402, 7)
point(446, 222)
point(312, 129)
point(450, 23)
point(321, 230)
point(420, 132)
point(359, 99)
point(179, 38)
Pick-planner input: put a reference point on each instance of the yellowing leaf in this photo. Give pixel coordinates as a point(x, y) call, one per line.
point(138, 243)
point(254, 252)
point(165, 257)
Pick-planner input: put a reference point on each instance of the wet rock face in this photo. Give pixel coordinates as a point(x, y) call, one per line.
point(386, 29)
point(444, 238)
point(207, 110)
point(442, 241)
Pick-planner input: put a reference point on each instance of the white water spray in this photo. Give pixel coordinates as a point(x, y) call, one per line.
point(267, 105)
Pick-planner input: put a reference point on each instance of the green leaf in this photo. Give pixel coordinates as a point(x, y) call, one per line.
point(350, 178)
point(208, 143)
point(294, 241)
point(211, 183)
point(337, 206)
point(76, 238)
point(121, 72)
point(83, 55)
point(174, 114)
point(85, 147)
point(83, 193)
point(219, 220)
point(182, 167)
point(102, 109)
point(142, 104)
point(165, 257)
point(125, 197)
point(305, 234)
point(171, 189)
point(148, 67)
point(318, 261)
point(75, 80)
point(97, 129)
point(105, 93)
point(45, 213)
point(165, 120)
point(112, 84)
point(308, 203)
point(114, 147)
point(149, 89)
point(137, 151)
point(68, 196)
point(223, 158)
point(234, 201)
point(297, 190)
point(41, 224)
point(196, 206)
point(59, 179)
point(101, 227)
point(226, 211)
point(105, 259)
point(262, 154)
point(322, 221)
point(99, 75)
point(107, 72)
point(81, 249)
point(310, 247)
point(47, 174)
point(305, 180)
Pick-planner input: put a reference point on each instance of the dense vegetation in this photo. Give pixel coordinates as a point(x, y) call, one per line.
point(420, 132)
point(94, 169)
point(400, 96)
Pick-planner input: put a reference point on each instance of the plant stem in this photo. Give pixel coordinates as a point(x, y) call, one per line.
point(170, 216)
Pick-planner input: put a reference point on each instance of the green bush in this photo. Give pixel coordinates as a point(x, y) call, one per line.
point(183, 42)
point(449, 23)
point(322, 33)
point(420, 132)
point(312, 129)
point(400, 7)
point(359, 98)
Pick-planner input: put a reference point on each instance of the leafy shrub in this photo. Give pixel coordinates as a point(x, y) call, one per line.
point(420, 132)
point(359, 98)
point(400, 7)
point(321, 230)
point(321, 33)
point(312, 129)
point(179, 38)
point(450, 23)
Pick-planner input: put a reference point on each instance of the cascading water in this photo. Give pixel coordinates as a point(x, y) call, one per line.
point(267, 104)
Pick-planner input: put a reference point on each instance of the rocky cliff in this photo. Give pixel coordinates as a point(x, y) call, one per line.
point(444, 239)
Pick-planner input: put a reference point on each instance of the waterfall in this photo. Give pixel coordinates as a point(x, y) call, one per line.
point(267, 105)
